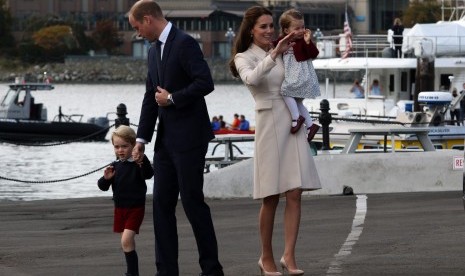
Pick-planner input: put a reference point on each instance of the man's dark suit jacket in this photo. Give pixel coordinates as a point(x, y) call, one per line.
point(184, 73)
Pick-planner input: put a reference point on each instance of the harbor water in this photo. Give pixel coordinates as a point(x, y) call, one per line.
point(46, 166)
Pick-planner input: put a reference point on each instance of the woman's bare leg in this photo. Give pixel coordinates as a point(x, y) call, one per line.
point(266, 223)
point(291, 226)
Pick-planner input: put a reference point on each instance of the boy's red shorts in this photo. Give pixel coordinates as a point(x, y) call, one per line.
point(128, 218)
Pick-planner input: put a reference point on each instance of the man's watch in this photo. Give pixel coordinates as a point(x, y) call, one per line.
point(170, 99)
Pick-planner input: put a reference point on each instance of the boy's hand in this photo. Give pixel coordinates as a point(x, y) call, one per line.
point(109, 172)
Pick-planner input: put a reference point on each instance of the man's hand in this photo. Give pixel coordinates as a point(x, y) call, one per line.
point(161, 97)
point(138, 152)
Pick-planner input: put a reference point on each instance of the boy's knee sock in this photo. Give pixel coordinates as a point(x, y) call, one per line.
point(133, 263)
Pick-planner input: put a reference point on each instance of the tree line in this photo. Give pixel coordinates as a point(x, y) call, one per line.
point(51, 39)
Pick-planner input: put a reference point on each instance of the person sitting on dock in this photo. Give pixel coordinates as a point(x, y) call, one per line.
point(244, 125)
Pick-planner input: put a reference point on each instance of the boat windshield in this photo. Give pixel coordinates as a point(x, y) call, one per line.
point(9, 97)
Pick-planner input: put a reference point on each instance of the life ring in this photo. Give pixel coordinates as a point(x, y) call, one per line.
point(434, 98)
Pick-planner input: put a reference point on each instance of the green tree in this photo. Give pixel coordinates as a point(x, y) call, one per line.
point(106, 36)
point(427, 11)
point(7, 40)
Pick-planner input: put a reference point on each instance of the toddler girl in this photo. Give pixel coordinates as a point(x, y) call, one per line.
point(300, 80)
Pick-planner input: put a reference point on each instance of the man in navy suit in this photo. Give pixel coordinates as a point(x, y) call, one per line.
point(178, 80)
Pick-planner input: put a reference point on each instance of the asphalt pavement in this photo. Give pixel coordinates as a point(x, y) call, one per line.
point(374, 234)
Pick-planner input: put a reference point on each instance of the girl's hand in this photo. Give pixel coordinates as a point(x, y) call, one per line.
point(307, 36)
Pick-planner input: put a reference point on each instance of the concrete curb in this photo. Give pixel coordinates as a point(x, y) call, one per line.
point(363, 172)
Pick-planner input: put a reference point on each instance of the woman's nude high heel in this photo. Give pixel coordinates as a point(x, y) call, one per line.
point(263, 272)
point(290, 271)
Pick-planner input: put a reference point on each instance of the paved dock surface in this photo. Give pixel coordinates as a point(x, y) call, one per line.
point(392, 234)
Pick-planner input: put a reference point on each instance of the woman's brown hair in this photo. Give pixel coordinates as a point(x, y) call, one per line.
point(244, 38)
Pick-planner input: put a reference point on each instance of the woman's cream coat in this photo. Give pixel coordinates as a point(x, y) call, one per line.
point(282, 161)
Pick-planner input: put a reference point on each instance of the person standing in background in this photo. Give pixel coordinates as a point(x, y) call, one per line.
point(462, 105)
point(177, 82)
point(398, 37)
point(455, 112)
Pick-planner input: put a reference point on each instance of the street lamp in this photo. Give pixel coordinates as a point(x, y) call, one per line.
point(318, 34)
point(230, 35)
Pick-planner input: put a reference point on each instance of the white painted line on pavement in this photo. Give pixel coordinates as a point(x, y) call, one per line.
point(357, 228)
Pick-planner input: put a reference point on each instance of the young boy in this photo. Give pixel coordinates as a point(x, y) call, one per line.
point(127, 180)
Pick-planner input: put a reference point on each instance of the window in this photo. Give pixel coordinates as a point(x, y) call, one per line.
point(222, 50)
point(438, 146)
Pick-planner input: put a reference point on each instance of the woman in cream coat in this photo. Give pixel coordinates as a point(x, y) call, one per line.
point(283, 164)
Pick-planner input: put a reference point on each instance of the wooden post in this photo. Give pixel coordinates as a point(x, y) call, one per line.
point(424, 79)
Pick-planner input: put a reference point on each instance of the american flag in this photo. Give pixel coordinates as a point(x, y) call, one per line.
point(348, 35)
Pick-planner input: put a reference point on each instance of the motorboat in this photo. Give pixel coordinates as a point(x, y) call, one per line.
point(233, 131)
point(434, 106)
point(441, 45)
point(24, 120)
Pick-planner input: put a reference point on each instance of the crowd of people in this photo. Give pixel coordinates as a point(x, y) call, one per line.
point(239, 122)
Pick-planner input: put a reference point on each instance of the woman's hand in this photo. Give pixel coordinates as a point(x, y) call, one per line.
point(283, 45)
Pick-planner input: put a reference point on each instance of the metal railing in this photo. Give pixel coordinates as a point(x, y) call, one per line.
point(375, 45)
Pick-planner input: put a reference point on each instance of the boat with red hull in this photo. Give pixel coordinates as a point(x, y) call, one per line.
point(233, 131)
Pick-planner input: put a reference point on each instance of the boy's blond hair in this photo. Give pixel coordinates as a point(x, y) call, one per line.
point(126, 133)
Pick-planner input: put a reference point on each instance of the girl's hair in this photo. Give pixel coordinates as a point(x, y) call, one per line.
point(126, 133)
point(244, 37)
point(397, 21)
point(145, 7)
point(286, 19)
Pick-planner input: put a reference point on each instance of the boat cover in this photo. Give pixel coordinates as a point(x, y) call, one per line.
point(448, 38)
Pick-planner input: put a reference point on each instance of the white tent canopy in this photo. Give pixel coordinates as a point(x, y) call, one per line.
point(447, 38)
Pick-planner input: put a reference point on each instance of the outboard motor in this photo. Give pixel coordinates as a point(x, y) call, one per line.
point(434, 106)
point(100, 121)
